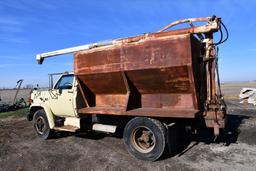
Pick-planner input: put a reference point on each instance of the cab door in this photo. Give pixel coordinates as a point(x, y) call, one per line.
point(62, 97)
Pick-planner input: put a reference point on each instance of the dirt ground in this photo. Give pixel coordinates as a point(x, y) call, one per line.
point(21, 149)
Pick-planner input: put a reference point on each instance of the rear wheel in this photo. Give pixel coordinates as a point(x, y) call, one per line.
point(41, 125)
point(145, 138)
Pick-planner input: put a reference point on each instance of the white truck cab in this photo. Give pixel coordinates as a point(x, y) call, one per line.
point(58, 103)
point(55, 108)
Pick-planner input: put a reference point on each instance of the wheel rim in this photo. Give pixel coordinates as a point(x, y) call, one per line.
point(40, 125)
point(143, 139)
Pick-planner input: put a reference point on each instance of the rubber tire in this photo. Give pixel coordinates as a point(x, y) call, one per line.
point(157, 129)
point(48, 133)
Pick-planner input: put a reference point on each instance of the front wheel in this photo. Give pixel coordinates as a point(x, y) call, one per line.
point(41, 125)
point(145, 138)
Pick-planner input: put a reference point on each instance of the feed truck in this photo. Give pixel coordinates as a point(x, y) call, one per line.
point(147, 86)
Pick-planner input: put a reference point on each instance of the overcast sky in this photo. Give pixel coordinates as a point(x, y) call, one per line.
point(29, 27)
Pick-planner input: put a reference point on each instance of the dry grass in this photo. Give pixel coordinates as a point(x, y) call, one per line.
point(14, 114)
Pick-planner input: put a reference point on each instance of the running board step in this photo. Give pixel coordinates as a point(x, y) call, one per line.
point(68, 128)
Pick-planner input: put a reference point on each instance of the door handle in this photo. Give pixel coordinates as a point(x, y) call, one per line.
point(70, 91)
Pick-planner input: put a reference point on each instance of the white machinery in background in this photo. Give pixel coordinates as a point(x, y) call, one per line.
point(249, 95)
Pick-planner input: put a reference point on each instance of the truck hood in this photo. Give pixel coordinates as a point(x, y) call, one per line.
point(40, 96)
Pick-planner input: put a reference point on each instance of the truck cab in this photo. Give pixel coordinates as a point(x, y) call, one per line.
point(57, 103)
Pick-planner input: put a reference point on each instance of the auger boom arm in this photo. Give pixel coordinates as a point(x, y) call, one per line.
point(40, 57)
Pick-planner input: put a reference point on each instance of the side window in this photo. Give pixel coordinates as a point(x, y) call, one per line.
point(65, 82)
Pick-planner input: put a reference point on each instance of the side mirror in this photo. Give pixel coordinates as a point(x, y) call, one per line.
point(60, 90)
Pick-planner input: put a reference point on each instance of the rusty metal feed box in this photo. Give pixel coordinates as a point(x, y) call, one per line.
point(155, 74)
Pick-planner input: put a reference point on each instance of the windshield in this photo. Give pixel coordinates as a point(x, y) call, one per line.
point(65, 82)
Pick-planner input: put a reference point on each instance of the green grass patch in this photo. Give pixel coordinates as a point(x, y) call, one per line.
point(16, 113)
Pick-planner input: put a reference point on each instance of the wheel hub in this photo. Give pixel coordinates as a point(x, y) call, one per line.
point(40, 125)
point(143, 139)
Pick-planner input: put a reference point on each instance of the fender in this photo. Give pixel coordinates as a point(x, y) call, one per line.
point(48, 112)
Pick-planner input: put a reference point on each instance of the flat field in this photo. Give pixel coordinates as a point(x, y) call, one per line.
point(7, 96)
